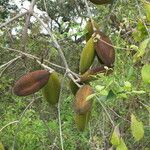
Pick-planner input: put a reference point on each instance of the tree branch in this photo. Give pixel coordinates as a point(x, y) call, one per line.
point(54, 40)
point(25, 30)
point(12, 19)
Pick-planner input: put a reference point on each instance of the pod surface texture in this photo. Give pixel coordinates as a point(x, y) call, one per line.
point(31, 82)
point(51, 90)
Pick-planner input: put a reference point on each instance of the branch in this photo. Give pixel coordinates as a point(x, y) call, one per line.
point(54, 40)
point(68, 71)
point(11, 61)
point(25, 30)
point(106, 111)
point(12, 19)
point(90, 14)
point(8, 125)
point(8, 64)
point(32, 57)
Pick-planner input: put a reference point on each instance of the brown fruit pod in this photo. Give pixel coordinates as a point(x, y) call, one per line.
point(31, 82)
point(89, 75)
point(104, 50)
point(81, 104)
point(100, 2)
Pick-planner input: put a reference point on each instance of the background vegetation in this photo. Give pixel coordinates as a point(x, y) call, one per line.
point(29, 123)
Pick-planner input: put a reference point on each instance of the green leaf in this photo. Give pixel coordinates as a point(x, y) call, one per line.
point(127, 86)
point(115, 138)
point(90, 96)
point(141, 32)
point(111, 95)
point(146, 73)
point(141, 50)
point(122, 145)
point(147, 9)
point(99, 87)
point(137, 128)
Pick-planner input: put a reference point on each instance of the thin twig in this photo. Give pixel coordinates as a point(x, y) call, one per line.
point(45, 66)
point(10, 62)
point(10, 123)
point(19, 122)
point(54, 40)
point(32, 57)
point(69, 73)
point(90, 15)
point(25, 29)
point(106, 111)
point(59, 112)
point(12, 19)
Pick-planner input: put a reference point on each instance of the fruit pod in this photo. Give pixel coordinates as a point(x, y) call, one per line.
point(81, 121)
point(89, 75)
point(87, 56)
point(1, 146)
point(31, 82)
point(89, 29)
point(74, 88)
point(100, 2)
point(81, 104)
point(104, 50)
point(51, 90)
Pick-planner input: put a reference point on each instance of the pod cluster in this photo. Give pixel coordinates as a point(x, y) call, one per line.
point(97, 45)
point(32, 82)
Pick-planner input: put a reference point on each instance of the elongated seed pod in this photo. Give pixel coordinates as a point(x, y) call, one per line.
point(82, 120)
point(100, 2)
point(89, 75)
point(31, 82)
point(81, 104)
point(104, 50)
point(51, 90)
point(89, 29)
point(87, 56)
point(74, 88)
point(1, 146)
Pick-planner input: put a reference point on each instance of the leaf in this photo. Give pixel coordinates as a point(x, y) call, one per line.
point(147, 9)
point(140, 33)
point(127, 86)
point(137, 128)
point(111, 95)
point(122, 145)
point(99, 87)
point(146, 73)
point(115, 138)
point(141, 50)
point(90, 97)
